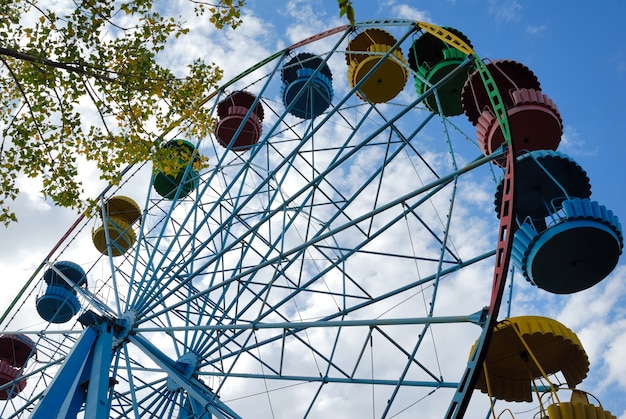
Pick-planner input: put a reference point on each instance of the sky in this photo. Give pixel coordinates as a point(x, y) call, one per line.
point(578, 54)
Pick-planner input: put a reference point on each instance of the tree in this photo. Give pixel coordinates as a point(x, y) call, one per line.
point(103, 54)
point(346, 9)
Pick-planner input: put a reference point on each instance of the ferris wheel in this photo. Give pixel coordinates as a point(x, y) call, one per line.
point(331, 259)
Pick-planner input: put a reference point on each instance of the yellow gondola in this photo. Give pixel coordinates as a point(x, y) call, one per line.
point(526, 348)
point(578, 407)
point(365, 52)
point(120, 214)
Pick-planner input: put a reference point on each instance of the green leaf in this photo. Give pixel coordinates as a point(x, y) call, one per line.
point(346, 9)
point(53, 62)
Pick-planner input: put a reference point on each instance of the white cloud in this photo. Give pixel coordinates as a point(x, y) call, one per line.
point(305, 19)
point(505, 10)
point(573, 144)
point(405, 11)
point(599, 324)
point(400, 10)
point(536, 30)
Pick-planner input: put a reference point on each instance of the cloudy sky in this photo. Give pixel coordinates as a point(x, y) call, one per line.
point(577, 54)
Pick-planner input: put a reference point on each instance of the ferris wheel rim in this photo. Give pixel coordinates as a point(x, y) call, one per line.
point(473, 318)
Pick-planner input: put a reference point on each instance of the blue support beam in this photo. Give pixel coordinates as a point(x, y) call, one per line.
point(97, 403)
point(63, 396)
point(83, 379)
point(205, 400)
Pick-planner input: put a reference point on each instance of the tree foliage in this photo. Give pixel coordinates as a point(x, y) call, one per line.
point(346, 9)
point(85, 83)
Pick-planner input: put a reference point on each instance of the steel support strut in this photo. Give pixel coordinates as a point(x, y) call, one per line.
point(83, 378)
point(467, 383)
point(505, 242)
point(203, 397)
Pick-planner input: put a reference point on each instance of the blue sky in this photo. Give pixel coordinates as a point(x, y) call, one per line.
point(576, 50)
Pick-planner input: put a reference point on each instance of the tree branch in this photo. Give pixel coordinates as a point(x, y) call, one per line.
point(78, 69)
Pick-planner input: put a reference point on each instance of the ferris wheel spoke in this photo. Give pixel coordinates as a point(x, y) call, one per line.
point(402, 376)
point(194, 388)
point(436, 379)
point(338, 380)
point(321, 177)
point(293, 328)
point(299, 249)
point(121, 371)
point(137, 395)
point(110, 252)
point(323, 251)
point(250, 231)
point(334, 262)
